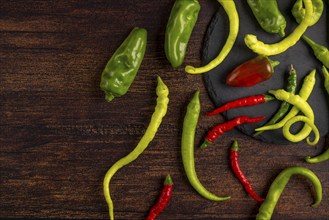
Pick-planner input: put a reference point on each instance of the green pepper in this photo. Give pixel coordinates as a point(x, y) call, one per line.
point(320, 51)
point(182, 19)
point(268, 15)
point(298, 11)
point(121, 69)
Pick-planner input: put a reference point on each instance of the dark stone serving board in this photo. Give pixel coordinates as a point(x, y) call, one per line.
point(300, 55)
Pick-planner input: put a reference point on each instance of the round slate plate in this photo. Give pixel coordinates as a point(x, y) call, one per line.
point(300, 56)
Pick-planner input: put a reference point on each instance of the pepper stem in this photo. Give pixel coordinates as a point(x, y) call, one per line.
point(273, 63)
point(205, 144)
point(168, 180)
point(235, 146)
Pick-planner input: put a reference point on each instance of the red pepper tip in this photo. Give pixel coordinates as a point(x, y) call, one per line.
point(210, 113)
point(205, 144)
point(168, 180)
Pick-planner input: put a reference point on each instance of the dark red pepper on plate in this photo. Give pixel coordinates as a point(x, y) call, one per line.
point(219, 129)
point(245, 101)
point(163, 199)
point(252, 72)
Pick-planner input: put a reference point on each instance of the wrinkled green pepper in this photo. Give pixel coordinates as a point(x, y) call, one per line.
point(298, 11)
point(268, 15)
point(182, 19)
point(121, 69)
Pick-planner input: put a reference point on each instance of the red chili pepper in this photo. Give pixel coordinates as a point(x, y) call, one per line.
point(239, 174)
point(163, 199)
point(246, 101)
point(219, 129)
point(252, 72)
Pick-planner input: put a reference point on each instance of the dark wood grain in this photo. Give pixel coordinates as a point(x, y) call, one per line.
point(59, 136)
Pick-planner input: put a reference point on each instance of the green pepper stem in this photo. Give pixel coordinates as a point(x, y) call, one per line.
point(205, 144)
point(235, 146)
point(168, 180)
point(273, 63)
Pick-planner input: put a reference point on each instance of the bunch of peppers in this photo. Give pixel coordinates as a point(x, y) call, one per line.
point(121, 69)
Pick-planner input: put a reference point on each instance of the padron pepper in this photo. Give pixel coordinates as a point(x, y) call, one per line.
point(182, 19)
point(252, 72)
point(120, 71)
point(298, 11)
point(268, 15)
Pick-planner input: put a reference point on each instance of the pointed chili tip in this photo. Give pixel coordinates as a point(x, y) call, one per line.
point(205, 144)
point(168, 180)
point(210, 113)
point(235, 146)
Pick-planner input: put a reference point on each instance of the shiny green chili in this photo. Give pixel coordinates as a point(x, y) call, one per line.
point(187, 148)
point(319, 158)
point(156, 119)
point(182, 19)
point(267, 207)
point(261, 48)
point(304, 93)
point(268, 15)
point(285, 106)
point(303, 106)
point(298, 11)
point(320, 51)
point(121, 69)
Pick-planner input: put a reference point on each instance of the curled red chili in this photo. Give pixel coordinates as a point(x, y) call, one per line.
point(246, 101)
point(219, 129)
point(163, 199)
point(234, 161)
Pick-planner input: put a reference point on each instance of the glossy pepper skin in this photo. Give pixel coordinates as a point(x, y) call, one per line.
point(298, 11)
point(278, 185)
point(182, 19)
point(320, 51)
point(268, 15)
point(326, 78)
point(121, 69)
point(252, 72)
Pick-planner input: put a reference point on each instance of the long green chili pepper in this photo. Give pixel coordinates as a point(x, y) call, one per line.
point(273, 49)
point(320, 51)
point(268, 15)
point(284, 108)
point(303, 106)
point(121, 69)
point(182, 19)
point(304, 93)
point(326, 78)
point(300, 135)
point(189, 126)
point(230, 9)
point(156, 119)
point(298, 11)
point(319, 158)
point(267, 207)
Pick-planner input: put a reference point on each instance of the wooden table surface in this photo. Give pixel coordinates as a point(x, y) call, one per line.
point(59, 136)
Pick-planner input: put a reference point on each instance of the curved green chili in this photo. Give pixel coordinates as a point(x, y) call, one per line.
point(326, 78)
point(268, 15)
point(320, 51)
point(302, 105)
point(304, 93)
point(319, 158)
point(230, 9)
point(120, 71)
point(298, 11)
point(300, 136)
point(284, 108)
point(273, 49)
point(189, 126)
point(182, 19)
point(156, 119)
point(267, 207)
